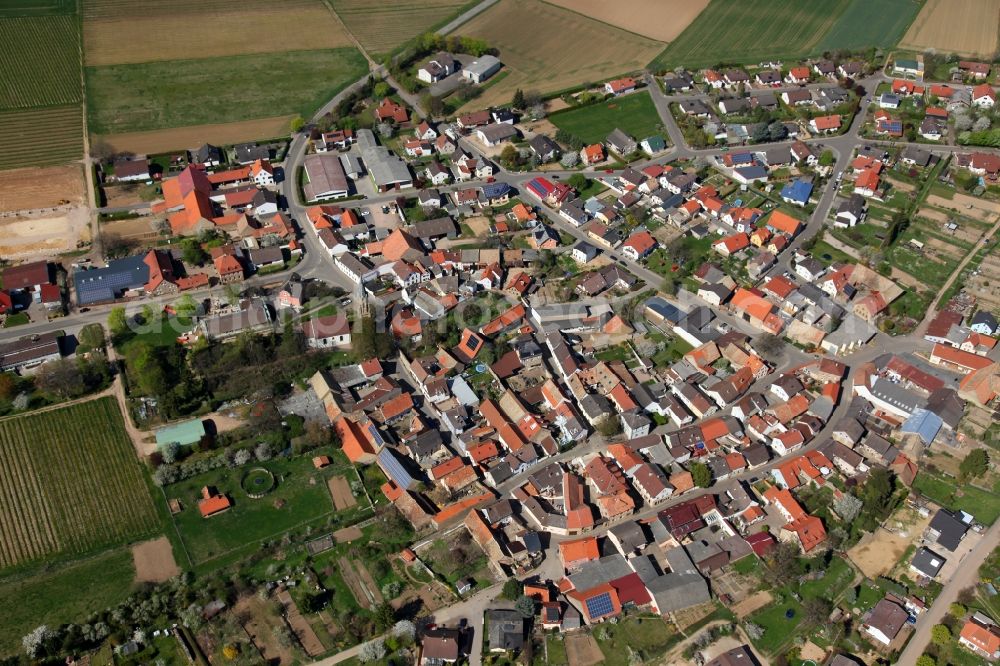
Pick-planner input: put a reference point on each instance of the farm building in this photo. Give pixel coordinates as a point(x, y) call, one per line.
point(479, 70)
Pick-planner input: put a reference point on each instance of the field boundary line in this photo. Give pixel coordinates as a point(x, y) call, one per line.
point(105, 393)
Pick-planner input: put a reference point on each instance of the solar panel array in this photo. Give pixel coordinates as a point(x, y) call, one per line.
point(104, 284)
point(395, 469)
point(600, 605)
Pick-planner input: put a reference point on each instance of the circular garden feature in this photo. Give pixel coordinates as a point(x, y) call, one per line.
point(258, 482)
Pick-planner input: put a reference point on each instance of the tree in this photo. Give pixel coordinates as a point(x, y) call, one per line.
point(296, 124)
point(826, 158)
point(669, 286)
point(371, 651)
point(525, 605)
point(90, 337)
point(940, 635)
point(193, 253)
point(816, 611)
point(578, 181)
point(509, 156)
point(769, 345)
point(847, 507)
point(610, 426)
point(957, 610)
point(34, 642)
point(569, 159)
point(263, 452)
point(61, 377)
point(169, 452)
point(877, 497)
point(8, 385)
point(314, 603)
point(186, 307)
point(404, 629)
point(381, 90)
point(783, 565)
point(926, 660)
point(975, 465)
point(385, 616)
point(518, 101)
point(363, 338)
point(701, 475)
point(117, 322)
point(512, 589)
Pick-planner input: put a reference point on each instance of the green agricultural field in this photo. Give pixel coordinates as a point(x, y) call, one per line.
point(160, 95)
point(748, 31)
point(39, 61)
point(300, 497)
point(55, 598)
point(10, 8)
point(867, 23)
point(25, 145)
point(634, 114)
point(70, 484)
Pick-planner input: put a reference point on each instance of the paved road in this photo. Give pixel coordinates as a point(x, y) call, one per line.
point(966, 576)
point(466, 16)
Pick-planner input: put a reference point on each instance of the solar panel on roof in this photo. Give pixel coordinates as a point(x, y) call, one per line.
point(600, 605)
point(376, 435)
point(395, 469)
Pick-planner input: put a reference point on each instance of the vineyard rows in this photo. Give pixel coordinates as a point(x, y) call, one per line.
point(69, 484)
point(39, 62)
point(41, 137)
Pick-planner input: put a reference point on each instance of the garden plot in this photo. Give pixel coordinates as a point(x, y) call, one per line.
point(340, 490)
point(154, 561)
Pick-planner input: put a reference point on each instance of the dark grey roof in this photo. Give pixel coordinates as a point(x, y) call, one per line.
point(98, 285)
point(950, 529)
point(855, 204)
point(631, 535)
point(927, 562)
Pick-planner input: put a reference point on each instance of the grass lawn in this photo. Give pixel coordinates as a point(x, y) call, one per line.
point(832, 584)
point(177, 93)
point(54, 597)
point(16, 320)
point(616, 353)
point(778, 629)
point(752, 31)
point(672, 352)
point(634, 114)
point(828, 254)
point(163, 333)
point(983, 504)
point(301, 489)
point(439, 557)
point(650, 637)
point(555, 648)
point(747, 565)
